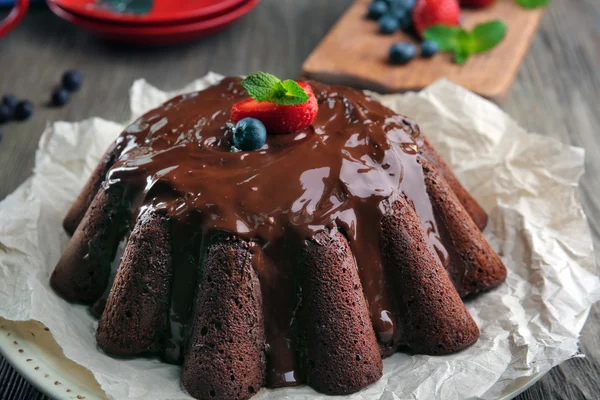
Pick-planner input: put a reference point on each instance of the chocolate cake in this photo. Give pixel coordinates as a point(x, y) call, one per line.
point(306, 261)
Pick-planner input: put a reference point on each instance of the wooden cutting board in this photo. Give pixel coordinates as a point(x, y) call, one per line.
point(354, 53)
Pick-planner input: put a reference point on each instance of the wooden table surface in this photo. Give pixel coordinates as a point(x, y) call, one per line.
point(557, 93)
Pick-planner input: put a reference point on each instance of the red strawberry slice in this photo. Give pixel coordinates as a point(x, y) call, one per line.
point(279, 119)
point(428, 13)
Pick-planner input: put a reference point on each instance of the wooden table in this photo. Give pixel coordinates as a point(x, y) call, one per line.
point(557, 93)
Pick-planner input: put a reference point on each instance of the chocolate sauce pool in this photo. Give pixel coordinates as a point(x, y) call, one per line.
point(341, 173)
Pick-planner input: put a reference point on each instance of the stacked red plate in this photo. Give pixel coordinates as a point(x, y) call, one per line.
point(152, 22)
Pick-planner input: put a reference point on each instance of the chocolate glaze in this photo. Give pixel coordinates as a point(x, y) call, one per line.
point(343, 172)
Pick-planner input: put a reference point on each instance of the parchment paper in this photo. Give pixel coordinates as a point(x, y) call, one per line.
point(527, 182)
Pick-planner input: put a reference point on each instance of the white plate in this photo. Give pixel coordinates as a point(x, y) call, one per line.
point(32, 351)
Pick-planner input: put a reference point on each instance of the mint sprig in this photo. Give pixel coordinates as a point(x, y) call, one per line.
point(262, 86)
point(533, 3)
point(464, 43)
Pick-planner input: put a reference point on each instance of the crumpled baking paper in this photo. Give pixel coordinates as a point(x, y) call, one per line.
point(527, 182)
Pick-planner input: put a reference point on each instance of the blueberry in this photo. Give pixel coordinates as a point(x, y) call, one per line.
point(402, 52)
point(249, 134)
point(406, 4)
point(60, 97)
point(1, 136)
point(406, 22)
point(388, 24)
point(6, 113)
point(72, 80)
point(429, 48)
point(23, 110)
point(10, 100)
point(377, 9)
point(399, 13)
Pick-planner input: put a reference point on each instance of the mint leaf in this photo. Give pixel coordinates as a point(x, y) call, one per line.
point(292, 94)
point(262, 86)
point(487, 36)
point(463, 43)
point(445, 36)
point(533, 3)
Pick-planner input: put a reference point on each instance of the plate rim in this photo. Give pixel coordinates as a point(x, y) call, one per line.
point(46, 386)
point(177, 17)
point(157, 30)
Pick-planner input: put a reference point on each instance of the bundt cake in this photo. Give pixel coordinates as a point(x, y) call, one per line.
point(306, 261)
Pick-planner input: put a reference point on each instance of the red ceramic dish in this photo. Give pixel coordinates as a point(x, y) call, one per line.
point(162, 12)
point(159, 34)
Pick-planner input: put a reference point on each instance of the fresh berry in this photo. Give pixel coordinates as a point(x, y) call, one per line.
point(406, 23)
point(402, 52)
point(429, 48)
point(476, 3)
point(406, 4)
point(377, 9)
point(388, 24)
point(23, 110)
point(60, 97)
point(428, 13)
point(249, 134)
point(399, 13)
point(72, 80)
point(279, 118)
point(10, 100)
point(6, 113)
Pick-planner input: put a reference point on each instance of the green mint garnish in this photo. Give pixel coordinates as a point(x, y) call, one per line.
point(533, 3)
point(463, 43)
point(262, 86)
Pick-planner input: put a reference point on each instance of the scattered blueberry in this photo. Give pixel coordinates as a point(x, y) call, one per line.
point(72, 80)
point(23, 110)
point(10, 100)
point(6, 113)
point(388, 24)
point(249, 134)
point(377, 9)
point(60, 97)
point(429, 48)
point(402, 52)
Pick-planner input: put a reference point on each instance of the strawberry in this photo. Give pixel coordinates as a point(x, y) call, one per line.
point(280, 115)
point(476, 3)
point(435, 12)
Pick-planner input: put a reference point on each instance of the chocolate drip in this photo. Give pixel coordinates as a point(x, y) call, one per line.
point(342, 173)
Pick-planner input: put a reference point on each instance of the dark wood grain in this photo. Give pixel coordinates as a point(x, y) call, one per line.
point(557, 93)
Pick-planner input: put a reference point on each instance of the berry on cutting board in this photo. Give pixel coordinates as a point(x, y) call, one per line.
point(429, 48)
point(72, 80)
point(60, 97)
point(402, 52)
point(377, 9)
point(249, 134)
point(408, 4)
point(282, 106)
point(23, 110)
point(10, 100)
point(388, 24)
point(6, 113)
point(476, 3)
point(428, 13)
